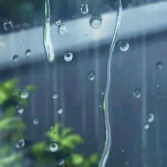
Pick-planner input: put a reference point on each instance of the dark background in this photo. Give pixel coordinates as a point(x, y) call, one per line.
point(80, 98)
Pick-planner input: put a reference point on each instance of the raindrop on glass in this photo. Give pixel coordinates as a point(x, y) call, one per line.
point(20, 109)
point(24, 93)
point(84, 9)
point(35, 121)
point(157, 85)
point(150, 118)
point(20, 143)
point(159, 66)
point(61, 162)
point(146, 126)
point(58, 22)
point(16, 58)
point(60, 111)
point(28, 53)
point(137, 93)
point(55, 95)
point(62, 29)
point(102, 93)
point(91, 76)
point(100, 106)
point(68, 56)
point(53, 147)
point(7, 25)
point(124, 46)
point(95, 21)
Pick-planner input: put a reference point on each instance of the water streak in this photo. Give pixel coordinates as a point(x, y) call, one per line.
point(46, 34)
point(108, 141)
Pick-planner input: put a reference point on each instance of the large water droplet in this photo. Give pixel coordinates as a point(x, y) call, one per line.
point(35, 121)
point(159, 66)
point(60, 111)
point(137, 93)
point(68, 56)
point(124, 46)
point(91, 76)
point(16, 58)
point(20, 143)
point(146, 126)
point(24, 93)
point(55, 95)
point(20, 109)
point(58, 22)
point(53, 147)
point(62, 29)
point(84, 9)
point(150, 118)
point(7, 25)
point(95, 21)
point(28, 53)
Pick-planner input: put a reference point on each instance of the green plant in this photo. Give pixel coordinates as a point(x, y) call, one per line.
point(66, 142)
point(11, 125)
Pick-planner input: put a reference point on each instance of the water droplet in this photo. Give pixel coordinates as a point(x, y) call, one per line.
point(62, 29)
point(61, 162)
point(68, 56)
point(84, 9)
point(7, 25)
point(100, 106)
point(51, 127)
point(28, 53)
point(20, 143)
point(150, 118)
point(159, 66)
point(60, 111)
point(102, 93)
point(124, 46)
point(137, 93)
point(91, 76)
point(16, 58)
point(20, 109)
point(58, 22)
point(23, 93)
point(53, 147)
point(35, 121)
point(55, 95)
point(95, 21)
point(157, 85)
point(146, 126)
point(153, 73)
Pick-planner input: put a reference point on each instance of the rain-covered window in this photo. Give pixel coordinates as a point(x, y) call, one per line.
point(83, 83)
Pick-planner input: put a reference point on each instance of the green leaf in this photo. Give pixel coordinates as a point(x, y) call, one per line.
point(10, 84)
point(66, 131)
point(38, 148)
point(93, 158)
point(77, 159)
point(10, 112)
point(31, 88)
point(3, 95)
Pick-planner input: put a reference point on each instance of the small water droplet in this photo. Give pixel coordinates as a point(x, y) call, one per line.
point(20, 143)
point(95, 21)
point(60, 111)
point(24, 93)
point(150, 118)
point(157, 85)
point(146, 126)
point(124, 46)
point(84, 9)
point(53, 147)
point(55, 95)
point(153, 73)
point(123, 151)
point(102, 93)
point(61, 162)
point(51, 127)
point(137, 93)
point(7, 25)
point(68, 56)
point(58, 22)
point(20, 109)
point(91, 76)
point(16, 58)
point(35, 121)
point(159, 66)
point(28, 53)
point(62, 29)
point(100, 106)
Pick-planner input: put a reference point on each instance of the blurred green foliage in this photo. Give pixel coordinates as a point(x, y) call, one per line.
point(11, 125)
point(67, 142)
